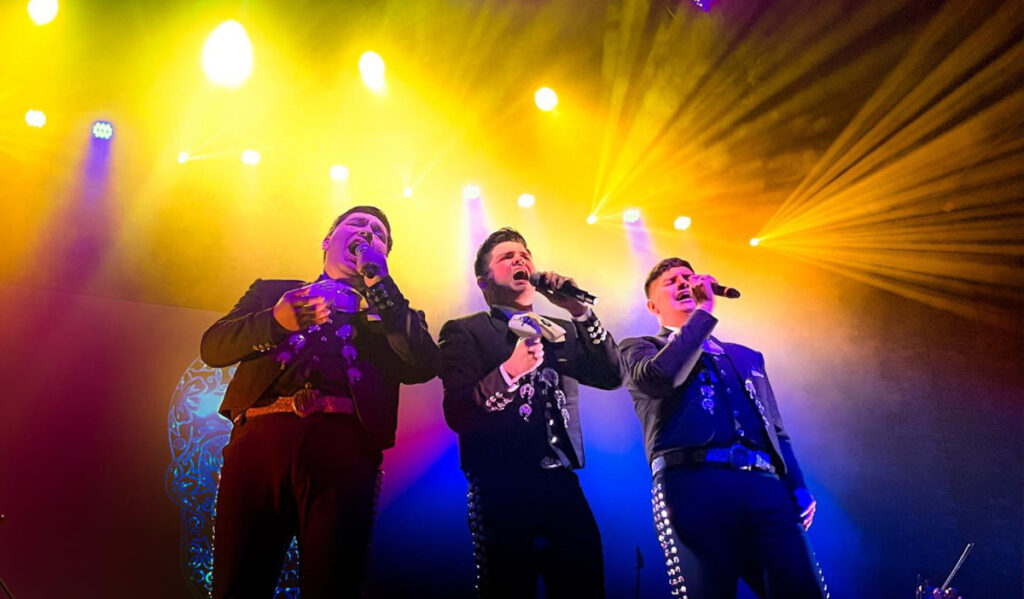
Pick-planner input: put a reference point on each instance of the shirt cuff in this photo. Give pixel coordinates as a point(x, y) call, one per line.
point(585, 316)
point(512, 382)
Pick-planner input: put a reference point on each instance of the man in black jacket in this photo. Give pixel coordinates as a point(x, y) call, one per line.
point(513, 400)
point(729, 499)
point(314, 403)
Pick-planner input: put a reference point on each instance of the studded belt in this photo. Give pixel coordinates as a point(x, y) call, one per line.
point(304, 403)
point(736, 457)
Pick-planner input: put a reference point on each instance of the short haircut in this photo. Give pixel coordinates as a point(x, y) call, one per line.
point(373, 210)
point(660, 268)
point(483, 253)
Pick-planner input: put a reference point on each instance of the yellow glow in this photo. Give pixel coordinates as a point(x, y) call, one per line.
point(546, 99)
point(42, 11)
point(227, 55)
point(371, 69)
point(251, 157)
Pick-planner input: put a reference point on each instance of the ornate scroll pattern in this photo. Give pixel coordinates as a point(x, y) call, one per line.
point(197, 435)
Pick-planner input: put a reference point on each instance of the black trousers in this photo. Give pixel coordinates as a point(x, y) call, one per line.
point(532, 526)
point(719, 525)
point(314, 477)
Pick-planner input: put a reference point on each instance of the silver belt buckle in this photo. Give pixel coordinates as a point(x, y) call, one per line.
point(739, 458)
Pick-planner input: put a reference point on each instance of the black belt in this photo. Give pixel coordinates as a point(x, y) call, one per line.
point(736, 457)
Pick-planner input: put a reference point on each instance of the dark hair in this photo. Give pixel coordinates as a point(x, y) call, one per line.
point(660, 268)
point(372, 210)
point(483, 253)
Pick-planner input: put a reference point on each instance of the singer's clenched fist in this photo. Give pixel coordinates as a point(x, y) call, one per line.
point(297, 310)
point(526, 357)
point(553, 282)
point(701, 291)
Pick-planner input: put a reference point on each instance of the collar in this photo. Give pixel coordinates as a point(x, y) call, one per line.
point(710, 345)
point(508, 311)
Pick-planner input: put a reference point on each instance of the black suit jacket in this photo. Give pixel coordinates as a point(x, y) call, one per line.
point(651, 365)
point(472, 349)
point(396, 349)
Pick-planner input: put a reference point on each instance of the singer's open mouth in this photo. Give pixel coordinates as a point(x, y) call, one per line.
point(520, 275)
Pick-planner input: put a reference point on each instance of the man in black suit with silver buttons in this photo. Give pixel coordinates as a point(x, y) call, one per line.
point(729, 498)
point(511, 391)
point(314, 403)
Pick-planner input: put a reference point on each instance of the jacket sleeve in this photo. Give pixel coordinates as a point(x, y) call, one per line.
point(594, 361)
point(473, 397)
point(794, 477)
point(247, 331)
point(406, 331)
point(653, 371)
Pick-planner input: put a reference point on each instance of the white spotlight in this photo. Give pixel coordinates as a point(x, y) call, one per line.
point(546, 99)
point(35, 118)
point(42, 11)
point(183, 157)
point(339, 172)
point(591, 219)
point(471, 192)
point(407, 192)
point(755, 242)
point(251, 157)
point(630, 216)
point(526, 200)
point(227, 55)
point(371, 69)
point(682, 223)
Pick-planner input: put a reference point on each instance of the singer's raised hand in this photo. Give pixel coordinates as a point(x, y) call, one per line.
point(366, 256)
point(526, 357)
point(297, 310)
point(554, 283)
point(701, 291)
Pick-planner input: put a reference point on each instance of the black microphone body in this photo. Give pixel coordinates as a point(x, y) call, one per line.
point(723, 291)
point(367, 270)
point(540, 282)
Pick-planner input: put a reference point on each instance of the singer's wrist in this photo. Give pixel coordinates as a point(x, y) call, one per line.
point(579, 311)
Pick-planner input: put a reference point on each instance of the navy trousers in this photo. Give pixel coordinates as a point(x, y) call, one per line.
point(719, 525)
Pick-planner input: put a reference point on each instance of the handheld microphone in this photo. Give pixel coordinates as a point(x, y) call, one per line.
point(723, 291)
point(367, 270)
point(540, 282)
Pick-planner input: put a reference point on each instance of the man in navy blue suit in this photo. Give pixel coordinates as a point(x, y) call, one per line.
point(729, 498)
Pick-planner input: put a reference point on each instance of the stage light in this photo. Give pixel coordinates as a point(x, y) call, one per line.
point(102, 130)
point(471, 192)
point(546, 99)
point(35, 118)
point(227, 55)
point(591, 219)
point(755, 242)
point(251, 157)
point(371, 69)
point(407, 192)
point(339, 172)
point(182, 157)
point(682, 223)
point(527, 200)
point(42, 11)
point(630, 216)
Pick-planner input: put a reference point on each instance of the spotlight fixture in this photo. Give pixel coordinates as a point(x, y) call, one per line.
point(102, 130)
point(407, 192)
point(339, 172)
point(682, 223)
point(251, 157)
point(42, 11)
point(591, 219)
point(182, 157)
point(227, 55)
point(371, 69)
point(526, 200)
point(754, 242)
point(630, 216)
point(471, 192)
point(35, 118)
point(546, 99)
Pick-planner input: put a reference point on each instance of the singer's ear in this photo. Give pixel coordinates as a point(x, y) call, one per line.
point(327, 242)
point(481, 283)
point(653, 309)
